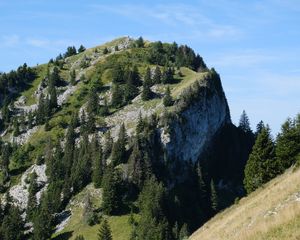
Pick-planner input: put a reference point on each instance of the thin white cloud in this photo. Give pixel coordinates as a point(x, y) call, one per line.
point(10, 40)
point(183, 16)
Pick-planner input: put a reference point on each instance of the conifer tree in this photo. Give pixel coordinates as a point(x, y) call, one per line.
point(73, 77)
point(168, 101)
point(97, 170)
point(117, 96)
point(213, 197)
point(153, 224)
point(139, 42)
point(259, 127)
point(157, 75)
point(12, 227)
point(118, 154)
point(261, 165)
point(140, 124)
point(32, 201)
point(244, 123)
point(111, 196)
point(53, 97)
point(42, 223)
point(104, 232)
point(108, 144)
point(288, 143)
point(81, 49)
point(105, 50)
point(93, 102)
point(131, 89)
point(183, 234)
point(147, 83)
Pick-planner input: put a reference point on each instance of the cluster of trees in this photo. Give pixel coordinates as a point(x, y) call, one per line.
point(268, 157)
point(179, 56)
point(10, 85)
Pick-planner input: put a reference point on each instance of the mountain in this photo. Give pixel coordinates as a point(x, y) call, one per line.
point(271, 212)
point(135, 132)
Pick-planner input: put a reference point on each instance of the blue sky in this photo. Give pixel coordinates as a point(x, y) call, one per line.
point(254, 45)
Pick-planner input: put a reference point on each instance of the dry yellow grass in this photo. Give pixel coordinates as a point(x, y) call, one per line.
point(272, 212)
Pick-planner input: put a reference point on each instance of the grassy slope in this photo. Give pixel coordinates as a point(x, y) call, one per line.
point(271, 212)
point(120, 226)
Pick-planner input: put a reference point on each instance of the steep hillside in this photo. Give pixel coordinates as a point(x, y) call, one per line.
point(88, 135)
point(271, 212)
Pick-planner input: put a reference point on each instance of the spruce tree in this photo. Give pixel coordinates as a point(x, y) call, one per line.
point(147, 83)
point(168, 101)
point(42, 223)
point(157, 75)
point(12, 227)
point(153, 224)
point(244, 123)
point(261, 165)
point(118, 154)
point(117, 96)
point(183, 234)
point(32, 201)
point(81, 49)
point(104, 232)
point(93, 102)
point(213, 197)
point(288, 143)
point(108, 144)
point(97, 170)
point(111, 196)
point(73, 77)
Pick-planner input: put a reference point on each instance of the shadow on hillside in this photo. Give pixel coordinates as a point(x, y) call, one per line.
point(64, 236)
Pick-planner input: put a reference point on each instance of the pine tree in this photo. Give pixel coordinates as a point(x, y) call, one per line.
point(117, 96)
point(139, 42)
point(213, 197)
point(168, 101)
point(259, 127)
point(157, 75)
point(93, 102)
point(183, 234)
point(118, 154)
point(53, 97)
point(104, 232)
point(73, 77)
point(97, 170)
point(131, 90)
point(146, 92)
point(42, 223)
point(244, 123)
point(32, 201)
point(140, 124)
point(108, 144)
point(261, 165)
point(12, 227)
point(105, 50)
point(111, 196)
point(153, 224)
point(81, 49)
point(288, 143)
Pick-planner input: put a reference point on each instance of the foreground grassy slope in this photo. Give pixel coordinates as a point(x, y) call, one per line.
point(121, 229)
point(272, 212)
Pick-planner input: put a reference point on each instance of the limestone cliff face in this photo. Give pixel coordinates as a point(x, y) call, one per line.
point(198, 121)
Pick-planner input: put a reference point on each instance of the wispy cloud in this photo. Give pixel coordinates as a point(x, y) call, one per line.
point(10, 40)
point(183, 16)
point(245, 58)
